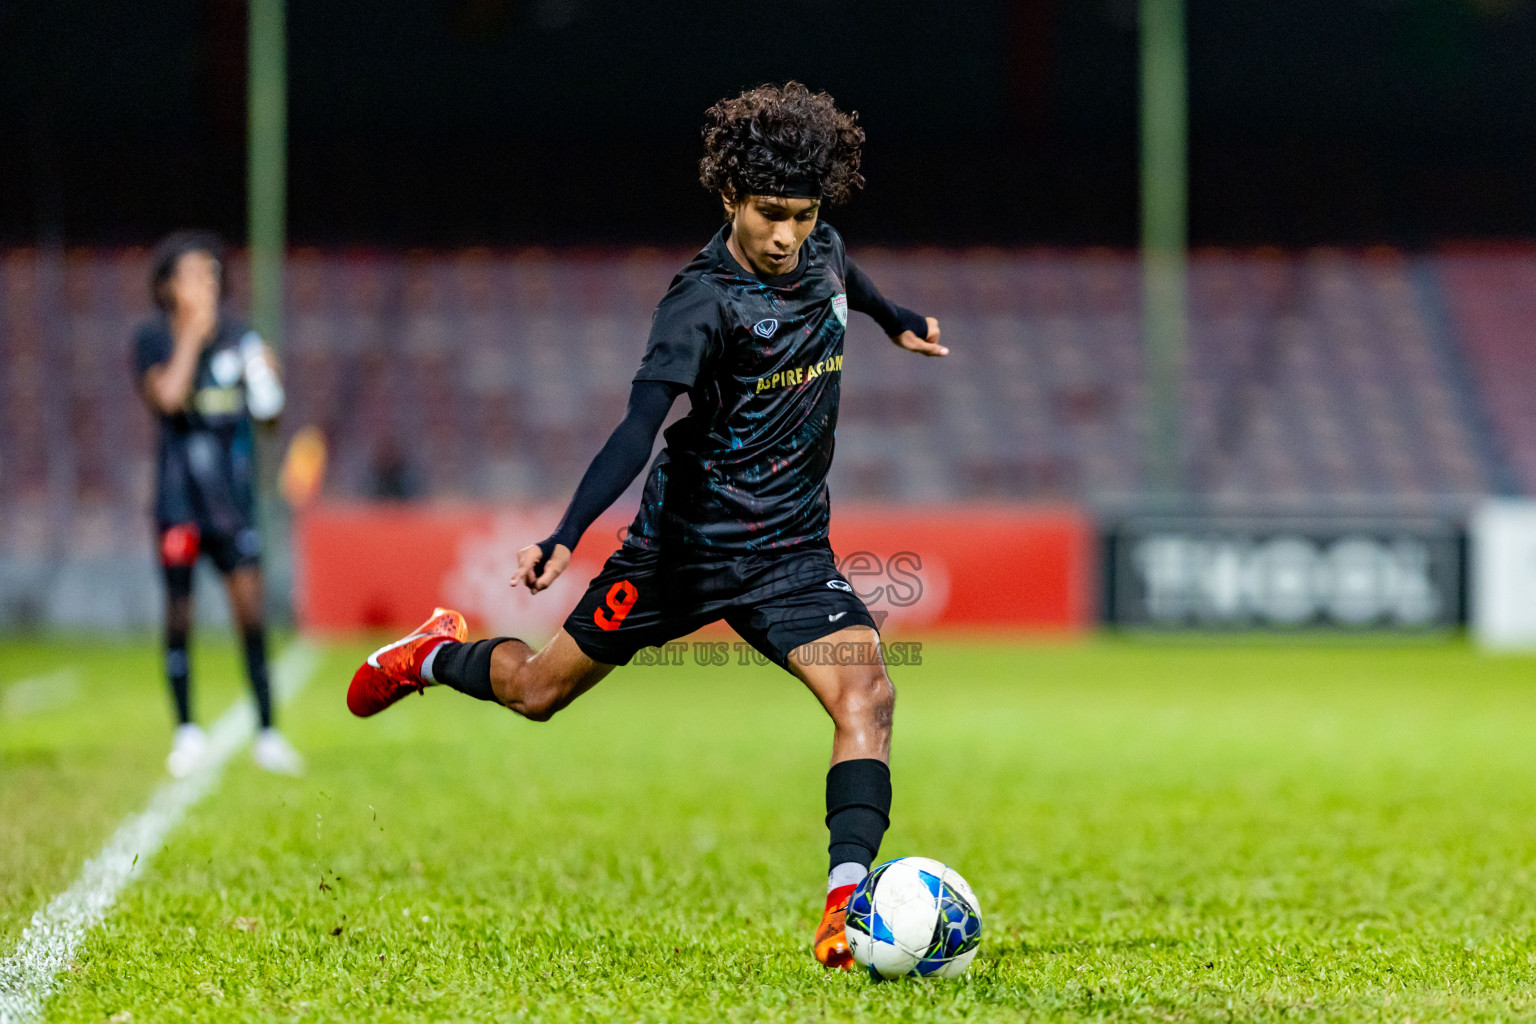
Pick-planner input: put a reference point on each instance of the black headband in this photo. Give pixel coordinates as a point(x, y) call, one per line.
point(793, 188)
point(798, 188)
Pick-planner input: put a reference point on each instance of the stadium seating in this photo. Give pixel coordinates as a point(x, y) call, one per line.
point(1350, 377)
point(1491, 298)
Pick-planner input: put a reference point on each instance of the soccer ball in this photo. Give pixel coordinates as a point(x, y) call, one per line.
point(913, 917)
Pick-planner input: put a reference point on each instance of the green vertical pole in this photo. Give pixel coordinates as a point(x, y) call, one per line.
point(266, 231)
point(267, 166)
point(1164, 234)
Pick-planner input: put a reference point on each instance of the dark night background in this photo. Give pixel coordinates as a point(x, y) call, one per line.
point(509, 122)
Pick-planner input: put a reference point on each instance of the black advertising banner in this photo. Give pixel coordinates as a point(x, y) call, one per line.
point(1285, 573)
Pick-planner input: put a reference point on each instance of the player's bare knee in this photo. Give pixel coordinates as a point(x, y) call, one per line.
point(534, 698)
point(885, 701)
point(882, 700)
point(541, 703)
point(868, 698)
point(536, 710)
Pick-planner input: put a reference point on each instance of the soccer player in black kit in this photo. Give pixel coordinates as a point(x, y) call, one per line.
point(733, 522)
point(201, 372)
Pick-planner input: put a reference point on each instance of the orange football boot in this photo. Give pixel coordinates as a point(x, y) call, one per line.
point(394, 670)
point(831, 940)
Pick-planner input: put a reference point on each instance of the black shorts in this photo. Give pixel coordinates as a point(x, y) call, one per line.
point(775, 601)
point(182, 543)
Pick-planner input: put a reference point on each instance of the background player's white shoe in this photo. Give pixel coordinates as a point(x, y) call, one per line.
point(187, 751)
point(273, 753)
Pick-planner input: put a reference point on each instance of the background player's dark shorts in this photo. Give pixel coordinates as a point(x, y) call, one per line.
point(775, 601)
point(181, 544)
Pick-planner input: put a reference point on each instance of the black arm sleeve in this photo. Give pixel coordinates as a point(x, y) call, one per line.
point(618, 463)
point(864, 297)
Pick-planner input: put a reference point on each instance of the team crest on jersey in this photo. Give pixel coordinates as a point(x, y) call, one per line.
point(840, 308)
point(765, 328)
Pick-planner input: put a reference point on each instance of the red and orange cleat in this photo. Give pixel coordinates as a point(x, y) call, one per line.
point(831, 940)
point(394, 670)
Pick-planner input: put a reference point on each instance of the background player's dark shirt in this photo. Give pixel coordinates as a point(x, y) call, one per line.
point(205, 468)
point(746, 469)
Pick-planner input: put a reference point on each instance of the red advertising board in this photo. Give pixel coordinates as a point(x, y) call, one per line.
point(938, 567)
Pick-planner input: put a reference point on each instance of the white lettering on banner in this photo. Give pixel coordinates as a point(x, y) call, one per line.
point(479, 584)
point(1504, 574)
point(1286, 580)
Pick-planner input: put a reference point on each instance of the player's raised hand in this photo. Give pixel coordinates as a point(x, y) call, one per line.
point(928, 346)
point(195, 297)
point(528, 572)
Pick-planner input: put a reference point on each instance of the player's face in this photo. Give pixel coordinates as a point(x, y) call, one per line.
point(767, 231)
point(195, 284)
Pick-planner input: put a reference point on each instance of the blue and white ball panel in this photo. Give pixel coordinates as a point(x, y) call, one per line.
point(907, 901)
point(956, 940)
point(913, 916)
point(962, 888)
point(890, 961)
point(944, 968)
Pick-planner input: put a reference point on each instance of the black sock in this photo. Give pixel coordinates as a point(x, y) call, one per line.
point(858, 810)
point(467, 667)
point(256, 671)
point(178, 673)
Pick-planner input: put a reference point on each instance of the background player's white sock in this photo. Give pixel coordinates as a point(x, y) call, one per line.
point(846, 873)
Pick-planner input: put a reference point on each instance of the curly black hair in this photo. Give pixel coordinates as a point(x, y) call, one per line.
point(779, 139)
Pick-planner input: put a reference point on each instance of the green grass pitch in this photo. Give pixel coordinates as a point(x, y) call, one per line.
point(1156, 833)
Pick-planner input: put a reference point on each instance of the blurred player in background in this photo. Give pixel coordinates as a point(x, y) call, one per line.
point(205, 375)
point(733, 523)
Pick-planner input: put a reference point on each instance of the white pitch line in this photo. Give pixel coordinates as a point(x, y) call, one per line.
point(50, 940)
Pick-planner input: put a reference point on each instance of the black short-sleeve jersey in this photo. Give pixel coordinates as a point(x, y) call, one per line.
point(205, 464)
point(685, 330)
point(746, 469)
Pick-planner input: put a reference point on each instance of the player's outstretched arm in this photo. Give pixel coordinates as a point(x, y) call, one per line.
point(614, 468)
point(905, 328)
